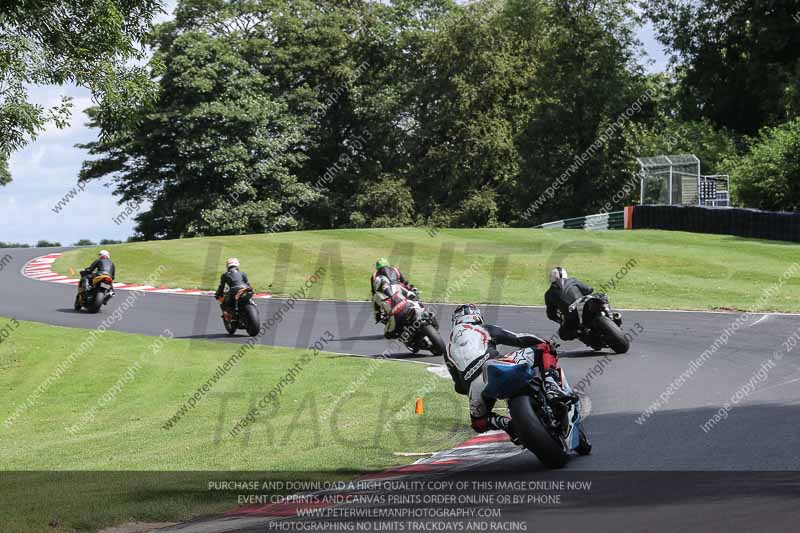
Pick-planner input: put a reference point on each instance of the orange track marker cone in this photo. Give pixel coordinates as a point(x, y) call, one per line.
point(418, 409)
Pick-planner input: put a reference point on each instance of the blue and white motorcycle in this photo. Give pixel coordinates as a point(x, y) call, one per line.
point(551, 430)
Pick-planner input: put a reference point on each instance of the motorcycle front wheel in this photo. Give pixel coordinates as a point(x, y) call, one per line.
point(230, 326)
point(533, 434)
point(437, 344)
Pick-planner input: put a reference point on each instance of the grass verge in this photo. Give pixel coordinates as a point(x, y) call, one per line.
point(100, 424)
point(638, 269)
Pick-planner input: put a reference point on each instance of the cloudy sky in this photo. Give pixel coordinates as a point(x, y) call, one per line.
point(46, 170)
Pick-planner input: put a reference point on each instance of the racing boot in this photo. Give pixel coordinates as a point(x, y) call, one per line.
point(504, 423)
point(553, 389)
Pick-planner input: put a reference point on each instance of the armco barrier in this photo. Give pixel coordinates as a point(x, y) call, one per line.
point(603, 221)
point(782, 226)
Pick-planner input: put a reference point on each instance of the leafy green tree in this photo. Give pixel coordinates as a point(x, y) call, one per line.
point(109, 241)
point(467, 108)
point(385, 203)
point(768, 175)
point(297, 114)
point(44, 244)
point(85, 242)
point(588, 90)
point(215, 156)
point(67, 41)
point(479, 210)
point(515, 91)
point(738, 63)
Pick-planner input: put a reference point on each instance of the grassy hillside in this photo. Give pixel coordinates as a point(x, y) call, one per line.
point(108, 410)
point(659, 269)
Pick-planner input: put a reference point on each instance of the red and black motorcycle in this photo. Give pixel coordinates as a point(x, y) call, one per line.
point(245, 313)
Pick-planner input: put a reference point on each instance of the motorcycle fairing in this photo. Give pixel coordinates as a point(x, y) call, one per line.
point(577, 306)
point(573, 437)
point(505, 378)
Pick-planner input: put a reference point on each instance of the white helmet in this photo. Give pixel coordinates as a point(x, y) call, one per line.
point(104, 254)
point(467, 314)
point(558, 273)
point(232, 262)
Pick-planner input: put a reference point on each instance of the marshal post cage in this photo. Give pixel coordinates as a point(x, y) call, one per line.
point(676, 180)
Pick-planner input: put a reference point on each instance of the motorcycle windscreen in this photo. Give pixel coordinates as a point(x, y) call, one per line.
point(504, 379)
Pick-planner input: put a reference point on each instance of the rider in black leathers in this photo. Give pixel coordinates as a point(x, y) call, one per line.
point(234, 279)
point(101, 265)
point(563, 292)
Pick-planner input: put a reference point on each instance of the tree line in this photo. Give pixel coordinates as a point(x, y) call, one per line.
point(295, 114)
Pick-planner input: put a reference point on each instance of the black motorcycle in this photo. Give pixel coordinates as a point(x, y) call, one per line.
point(100, 291)
point(600, 326)
point(245, 314)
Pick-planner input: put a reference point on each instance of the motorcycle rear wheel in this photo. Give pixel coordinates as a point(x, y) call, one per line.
point(97, 302)
point(251, 318)
point(612, 334)
point(533, 434)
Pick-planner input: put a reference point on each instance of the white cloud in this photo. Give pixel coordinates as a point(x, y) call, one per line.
point(45, 171)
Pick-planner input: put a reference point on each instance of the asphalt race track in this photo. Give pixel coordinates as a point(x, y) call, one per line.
point(756, 445)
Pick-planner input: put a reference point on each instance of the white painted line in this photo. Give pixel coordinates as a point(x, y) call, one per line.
point(763, 318)
point(440, 371)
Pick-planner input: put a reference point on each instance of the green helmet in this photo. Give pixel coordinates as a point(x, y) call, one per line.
point(380, 263)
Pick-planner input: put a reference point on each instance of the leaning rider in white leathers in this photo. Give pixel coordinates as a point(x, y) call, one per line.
point(473, 343)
